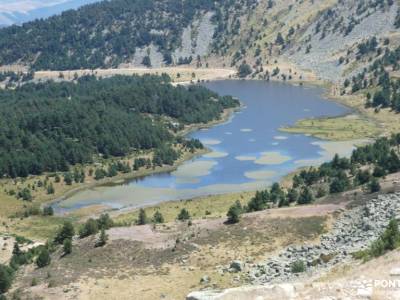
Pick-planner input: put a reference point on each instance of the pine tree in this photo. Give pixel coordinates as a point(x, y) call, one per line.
point(67, 246)
point(43, 259)
point(67, 231)
point(158, 218)
point(102, 239)
point(183, 215)
point(142, 220)
point(234, 212)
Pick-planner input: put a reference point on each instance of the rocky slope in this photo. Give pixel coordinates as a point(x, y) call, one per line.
point(354, 230)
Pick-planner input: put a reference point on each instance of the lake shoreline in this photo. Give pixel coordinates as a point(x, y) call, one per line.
point(225, 117)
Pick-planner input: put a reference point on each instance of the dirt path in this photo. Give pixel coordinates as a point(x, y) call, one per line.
point(178, 74)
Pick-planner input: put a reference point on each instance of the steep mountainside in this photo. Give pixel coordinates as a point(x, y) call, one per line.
point(319, 35)
point(112, 32)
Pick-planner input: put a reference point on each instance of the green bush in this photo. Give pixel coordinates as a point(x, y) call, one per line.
point(389, 240)
point(142, 220)
point(105, 222)
point(234, 212)
point(67, 231)
point(374, 186)
point(43, 259)
point(6, 278)
point(306, 196)
point(102, 239)
point(67, 246)
point(298, 267)
point(183, 215)
point(89, 228)
point(158, 218)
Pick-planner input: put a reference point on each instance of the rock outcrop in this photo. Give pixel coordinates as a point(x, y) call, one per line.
point(355, 229)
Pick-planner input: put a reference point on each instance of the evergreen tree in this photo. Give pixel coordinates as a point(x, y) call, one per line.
point(234, 212)
point(67, 231)
point(67, 246)
point(158, 218)
point(102, 239)
point(183, 215)
point(89, 228)
point(374, 186)
point(50, 189)
point(306, 196)
point(43, 259)
point(142, 219)
point(6, 278)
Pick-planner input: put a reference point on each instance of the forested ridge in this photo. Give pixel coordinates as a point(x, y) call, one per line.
point(107, 33)
point(50, 126)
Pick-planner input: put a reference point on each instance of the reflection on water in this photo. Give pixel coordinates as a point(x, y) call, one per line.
point(247, 153)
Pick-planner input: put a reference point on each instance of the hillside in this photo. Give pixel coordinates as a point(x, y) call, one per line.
point(321, 36)
point(103, 96)
point(112, 32)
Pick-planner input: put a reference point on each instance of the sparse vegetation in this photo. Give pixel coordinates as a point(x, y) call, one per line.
point(388, 241)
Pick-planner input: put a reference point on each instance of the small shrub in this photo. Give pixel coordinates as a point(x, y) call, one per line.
point(374, 186)
point(298, 267)
point(34, 281)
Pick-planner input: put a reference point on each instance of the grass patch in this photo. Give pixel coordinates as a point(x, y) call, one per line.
point(35, 227)
point(336, 129)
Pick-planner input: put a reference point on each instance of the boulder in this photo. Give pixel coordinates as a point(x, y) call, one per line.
point(236, 266)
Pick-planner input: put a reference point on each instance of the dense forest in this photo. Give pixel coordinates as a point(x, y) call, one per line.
point(50, 126)
point(107, 33)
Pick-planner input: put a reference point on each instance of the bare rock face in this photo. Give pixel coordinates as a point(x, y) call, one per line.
point(196, 38)
point(338, 30)
point(196, 41)
point(267, 292)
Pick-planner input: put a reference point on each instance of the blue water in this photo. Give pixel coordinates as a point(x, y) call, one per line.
point(251, 151)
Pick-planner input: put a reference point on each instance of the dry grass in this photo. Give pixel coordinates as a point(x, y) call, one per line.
point(128, 269)
point(177, 74)
point(208, 207)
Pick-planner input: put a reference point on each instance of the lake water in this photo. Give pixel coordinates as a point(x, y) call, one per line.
point(248, 152)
